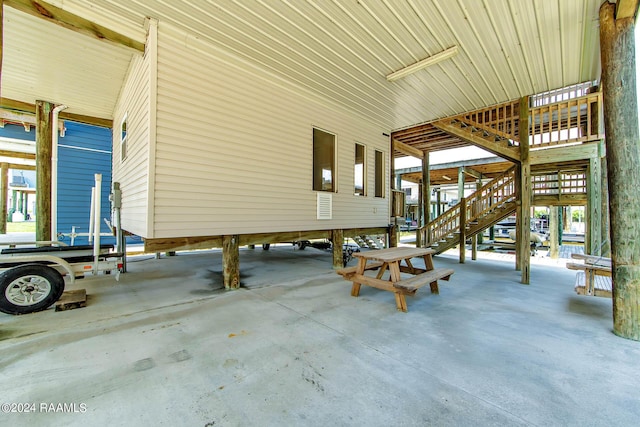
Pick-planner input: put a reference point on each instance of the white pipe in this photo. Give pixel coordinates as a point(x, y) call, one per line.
point(92, 214)
point(96, 222)
point(54, 172)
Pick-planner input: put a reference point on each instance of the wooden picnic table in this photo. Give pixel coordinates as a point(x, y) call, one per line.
point(391, 260)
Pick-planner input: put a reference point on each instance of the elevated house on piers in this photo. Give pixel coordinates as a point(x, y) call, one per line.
point(241, 123)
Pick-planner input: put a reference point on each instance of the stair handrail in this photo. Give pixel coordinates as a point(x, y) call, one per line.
point(491, 196)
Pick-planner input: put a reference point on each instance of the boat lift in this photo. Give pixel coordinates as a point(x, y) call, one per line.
point(33, 278)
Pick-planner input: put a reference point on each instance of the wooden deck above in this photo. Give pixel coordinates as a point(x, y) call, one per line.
point(496, 129)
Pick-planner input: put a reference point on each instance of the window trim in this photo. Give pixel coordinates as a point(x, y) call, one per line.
point(334, 161)
point(364, 170)
point(382, 178)
point(123, 137)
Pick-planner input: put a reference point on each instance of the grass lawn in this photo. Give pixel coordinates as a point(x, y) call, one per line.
point(21, 227)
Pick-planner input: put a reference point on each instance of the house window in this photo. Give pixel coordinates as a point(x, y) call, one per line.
point(358, 169)
point(323, 160)
point(379, 167)
point(123, 138)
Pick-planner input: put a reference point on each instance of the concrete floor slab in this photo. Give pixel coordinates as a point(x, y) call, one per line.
point(168, 346)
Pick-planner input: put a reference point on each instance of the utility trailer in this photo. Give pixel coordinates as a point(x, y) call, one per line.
point(33, 278)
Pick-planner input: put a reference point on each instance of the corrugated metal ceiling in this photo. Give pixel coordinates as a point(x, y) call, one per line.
point(43, 61)
point(339, 49)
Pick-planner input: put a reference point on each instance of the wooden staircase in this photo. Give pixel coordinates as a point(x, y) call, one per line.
point(492, 203)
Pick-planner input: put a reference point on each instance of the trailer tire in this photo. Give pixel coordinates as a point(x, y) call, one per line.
point(29, 288)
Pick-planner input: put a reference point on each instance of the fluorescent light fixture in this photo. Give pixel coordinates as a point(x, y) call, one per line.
point(438, 57)
point(446, 177)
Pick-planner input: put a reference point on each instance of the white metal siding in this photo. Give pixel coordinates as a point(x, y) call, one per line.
point(234, 148)
point(133, 171)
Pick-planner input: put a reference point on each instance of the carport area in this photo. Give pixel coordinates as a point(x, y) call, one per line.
point(168, 346)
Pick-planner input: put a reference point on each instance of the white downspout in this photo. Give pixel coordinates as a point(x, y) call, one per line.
point(96, 222)
point(54, 172)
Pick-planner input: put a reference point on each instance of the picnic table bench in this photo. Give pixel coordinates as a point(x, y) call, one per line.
point(594, 275)
point(391, 259)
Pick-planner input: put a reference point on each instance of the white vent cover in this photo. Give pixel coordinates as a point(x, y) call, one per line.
point(324, 205)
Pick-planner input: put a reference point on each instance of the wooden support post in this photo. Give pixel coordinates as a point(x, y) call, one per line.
point(44, 112)
point(477, 238)
point(525, 192)
point(231, 261)
point(567, 219)
point(617, 53)
point(518, 186)
point(420, 217)
point(460, 182)
point(605, 239)
point(554, 251)
point(393, 236)
point(4, 193)
point(426, 188)
point(593, 227)
point(560, 224)
point(463, 230)
point(438, 203)
point(474, 247)
point(337, 240)
point(461, 199)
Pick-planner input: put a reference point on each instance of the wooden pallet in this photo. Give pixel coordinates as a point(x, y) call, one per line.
point(72, 299)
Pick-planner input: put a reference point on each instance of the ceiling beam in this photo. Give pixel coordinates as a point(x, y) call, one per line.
point(11, 104)
point(504, 152)
point(18, 166)
point(407, 149)
point(472, 172)
point(73, 22)
point(17, 155)
point(625, 8)
point(23, 118)
point(564, 154)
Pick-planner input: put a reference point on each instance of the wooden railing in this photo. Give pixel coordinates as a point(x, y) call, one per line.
point(499, 191)
point(492, 196)
point(501, 120)
point(566, 122)
point(556, 183)
point(441, 227)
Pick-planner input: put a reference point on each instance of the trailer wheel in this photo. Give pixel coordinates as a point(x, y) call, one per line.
point(29, 288)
